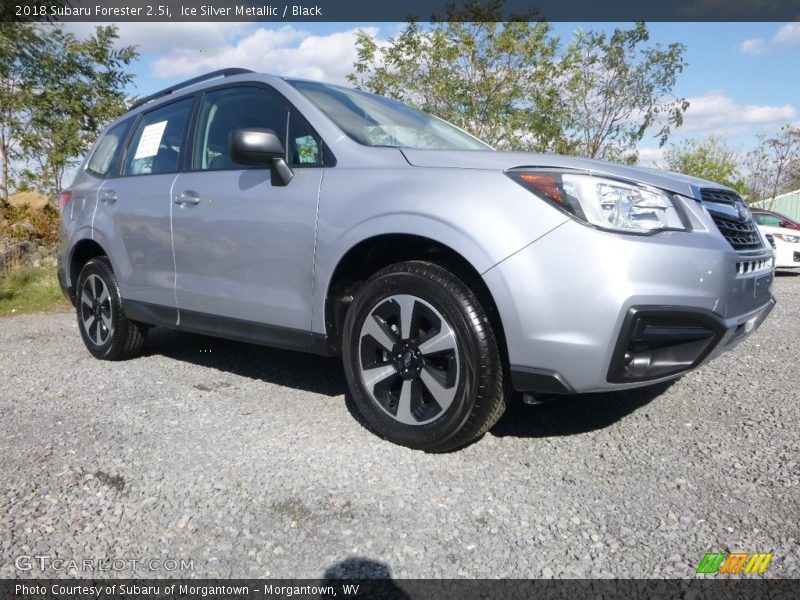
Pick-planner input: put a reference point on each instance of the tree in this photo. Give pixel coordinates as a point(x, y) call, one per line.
point(616, 87)
point(774, 164)
point(512, 85)
point(492, 79)
point(81, 88)
point(18, 54)
point(56, 94)
point(711, 159)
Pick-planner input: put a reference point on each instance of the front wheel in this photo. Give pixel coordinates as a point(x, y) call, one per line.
point(421, 358)
point(107, 333)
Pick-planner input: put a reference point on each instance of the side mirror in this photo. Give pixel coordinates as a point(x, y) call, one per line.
point(261, 147)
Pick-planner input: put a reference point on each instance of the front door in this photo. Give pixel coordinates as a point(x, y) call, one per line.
point(244, 248)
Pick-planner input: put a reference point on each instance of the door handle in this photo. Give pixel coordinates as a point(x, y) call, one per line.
point(187, 198)
point(108, 197)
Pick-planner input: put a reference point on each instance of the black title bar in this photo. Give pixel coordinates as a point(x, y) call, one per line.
point(389, 589)
point(279, 11)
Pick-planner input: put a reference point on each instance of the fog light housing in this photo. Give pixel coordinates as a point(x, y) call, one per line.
point(662, 341)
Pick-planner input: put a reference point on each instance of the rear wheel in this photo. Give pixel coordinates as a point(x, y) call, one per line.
point(421, 358)
point(107, 333)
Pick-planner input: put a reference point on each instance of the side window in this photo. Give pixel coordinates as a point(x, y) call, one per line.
point(223, 112)
point(305, 147)
point(156, 144)
point(768, 220)
point(108, 149)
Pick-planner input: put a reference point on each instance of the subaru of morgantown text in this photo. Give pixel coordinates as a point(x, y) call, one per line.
point(318, 218)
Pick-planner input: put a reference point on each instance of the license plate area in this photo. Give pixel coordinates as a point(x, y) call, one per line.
point(762, 285)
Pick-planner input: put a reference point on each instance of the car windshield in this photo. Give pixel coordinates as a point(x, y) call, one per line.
point(377, 121)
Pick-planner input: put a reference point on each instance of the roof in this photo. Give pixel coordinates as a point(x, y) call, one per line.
point(188, 83)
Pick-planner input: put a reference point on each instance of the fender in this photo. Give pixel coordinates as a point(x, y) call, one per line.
point(83, 234)
point(329, 255)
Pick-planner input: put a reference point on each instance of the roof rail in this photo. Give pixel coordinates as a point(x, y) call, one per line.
point(187, 83)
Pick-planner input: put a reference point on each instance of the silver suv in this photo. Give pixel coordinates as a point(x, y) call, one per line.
point(318, 218)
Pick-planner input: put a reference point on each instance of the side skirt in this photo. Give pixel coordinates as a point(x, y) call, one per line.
point(228, 328)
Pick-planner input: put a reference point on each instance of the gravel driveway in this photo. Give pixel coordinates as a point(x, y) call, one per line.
point(248, 462)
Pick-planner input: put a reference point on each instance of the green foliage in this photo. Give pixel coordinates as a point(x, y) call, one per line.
point(491, 79)
point(18, 55)
point(31, 224)
point(63, 91)
point(512, 85)
point(711, 159)
point(31, 290)
point(615, 87)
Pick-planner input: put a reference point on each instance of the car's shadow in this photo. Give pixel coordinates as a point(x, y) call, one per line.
point(298, 370)
point(571, 415)
point(566, 415)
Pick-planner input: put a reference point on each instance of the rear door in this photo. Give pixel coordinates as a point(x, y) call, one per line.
point(134, 209)
point(244, 248)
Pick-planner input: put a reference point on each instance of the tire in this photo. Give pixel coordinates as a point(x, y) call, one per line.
point(107, 333)
point(421, 358)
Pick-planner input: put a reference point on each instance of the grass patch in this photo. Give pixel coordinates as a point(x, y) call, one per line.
point(28, 290)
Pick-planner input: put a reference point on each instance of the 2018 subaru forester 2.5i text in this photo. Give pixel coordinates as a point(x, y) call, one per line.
point(313, 217)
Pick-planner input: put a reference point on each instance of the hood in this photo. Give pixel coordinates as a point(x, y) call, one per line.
point(479, 159)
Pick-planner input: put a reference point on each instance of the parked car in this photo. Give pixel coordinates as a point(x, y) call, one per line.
point(783, 234)
point(771, 218)
point(313, 217)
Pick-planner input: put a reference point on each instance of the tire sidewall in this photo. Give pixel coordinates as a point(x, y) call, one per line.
point(102, 269)
point(454, 418)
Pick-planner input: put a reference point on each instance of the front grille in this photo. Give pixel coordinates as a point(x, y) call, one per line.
point(742, 236)
point(723, 196)
point(741, 233)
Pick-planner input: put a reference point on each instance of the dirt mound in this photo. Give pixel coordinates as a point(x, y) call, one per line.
point(33, 200)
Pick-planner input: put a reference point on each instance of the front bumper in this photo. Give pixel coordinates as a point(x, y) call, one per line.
point(566, 302)
point(787, 255)
point(658, 342)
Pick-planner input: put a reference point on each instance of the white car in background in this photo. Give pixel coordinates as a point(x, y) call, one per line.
point(783, 234)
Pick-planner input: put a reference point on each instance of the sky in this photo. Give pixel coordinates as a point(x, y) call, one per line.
point(742, 79)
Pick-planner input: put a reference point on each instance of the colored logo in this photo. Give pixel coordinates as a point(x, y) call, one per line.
point(735, 562)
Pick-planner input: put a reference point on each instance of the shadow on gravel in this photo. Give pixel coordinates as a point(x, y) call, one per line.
point(568, 415)
point(360, 568)
point(298, 370)
point(571, 415)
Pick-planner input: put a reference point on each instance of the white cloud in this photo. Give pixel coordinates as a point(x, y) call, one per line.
point(651, 157)
point(166, 37)
point(720, 114)
point(283, 51)
point(788, 35)
point(752, 46)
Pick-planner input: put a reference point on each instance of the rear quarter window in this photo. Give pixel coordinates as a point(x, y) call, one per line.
point(103, 161)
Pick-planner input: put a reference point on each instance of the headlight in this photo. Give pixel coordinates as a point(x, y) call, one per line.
point(792, 239)
point(605, 203)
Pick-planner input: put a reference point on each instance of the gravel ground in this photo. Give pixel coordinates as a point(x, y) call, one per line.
point(249, 462)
